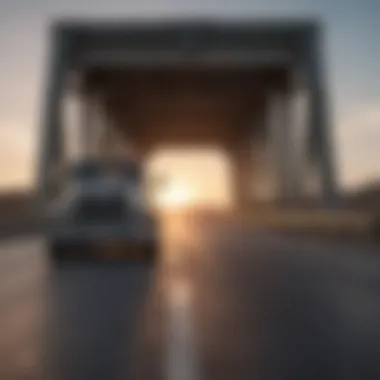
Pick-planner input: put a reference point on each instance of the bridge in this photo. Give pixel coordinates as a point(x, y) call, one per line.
point(256, 90)
point(227, 298)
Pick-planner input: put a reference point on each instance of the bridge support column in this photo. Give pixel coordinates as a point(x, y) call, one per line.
point(86, 124)
point(52, 152)
point(107, 142)
point(320, 123)
point(280, 145)
point(242, 173)
point(297, 132)
point(99, 135)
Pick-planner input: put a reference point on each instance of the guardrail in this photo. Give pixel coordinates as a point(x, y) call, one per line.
point(329, 223)
point(337, 223)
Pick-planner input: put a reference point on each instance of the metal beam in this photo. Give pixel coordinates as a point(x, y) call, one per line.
point(167, 58)
point(320, 119)
point(51, 134)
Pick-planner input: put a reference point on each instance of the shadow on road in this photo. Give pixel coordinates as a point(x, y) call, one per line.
point(95, 319)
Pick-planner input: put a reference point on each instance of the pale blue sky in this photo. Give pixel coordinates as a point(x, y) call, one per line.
point(353, 58)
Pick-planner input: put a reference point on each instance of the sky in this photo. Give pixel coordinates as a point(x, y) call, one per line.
point(352, 60)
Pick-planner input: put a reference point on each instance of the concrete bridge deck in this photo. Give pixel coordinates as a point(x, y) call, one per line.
point(225, 302)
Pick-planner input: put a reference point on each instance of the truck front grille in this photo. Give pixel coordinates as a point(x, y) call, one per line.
point(101, 211)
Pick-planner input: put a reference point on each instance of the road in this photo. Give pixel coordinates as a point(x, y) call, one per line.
point(224, 302)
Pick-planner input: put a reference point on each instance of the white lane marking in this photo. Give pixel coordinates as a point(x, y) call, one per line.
point(182, 362)
point(181, 359)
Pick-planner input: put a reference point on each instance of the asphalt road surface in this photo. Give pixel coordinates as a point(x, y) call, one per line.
point(224, 302)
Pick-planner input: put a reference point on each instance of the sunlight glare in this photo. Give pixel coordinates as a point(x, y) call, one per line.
point(175, 195)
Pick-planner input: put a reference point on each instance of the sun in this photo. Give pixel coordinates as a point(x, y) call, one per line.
point(175, 195)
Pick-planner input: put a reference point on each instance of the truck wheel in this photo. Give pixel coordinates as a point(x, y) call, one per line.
point(58, 252)
point(150, 251)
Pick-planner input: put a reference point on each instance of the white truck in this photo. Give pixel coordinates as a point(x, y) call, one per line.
point(102, 211)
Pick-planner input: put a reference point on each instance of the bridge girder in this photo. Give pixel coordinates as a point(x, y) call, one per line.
point(125, 65)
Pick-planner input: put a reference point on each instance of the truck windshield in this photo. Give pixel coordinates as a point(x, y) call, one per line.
point(111, 169)
point(86, 171)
